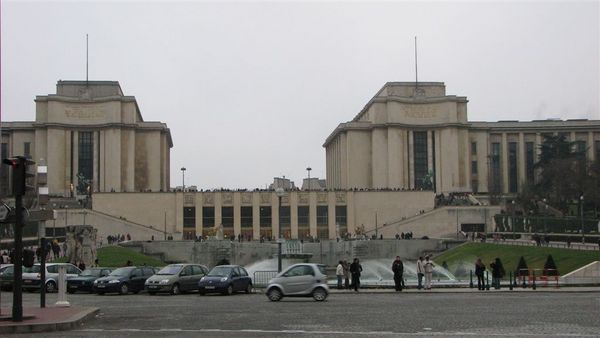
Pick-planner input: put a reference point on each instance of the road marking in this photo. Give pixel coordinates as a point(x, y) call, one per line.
point(350, 333)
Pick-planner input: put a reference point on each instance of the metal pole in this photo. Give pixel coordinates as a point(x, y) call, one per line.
point(376, 235)
point(43, 272)
point(279, 237)
point(17, 308)
point(582, 233)
point(165, 232)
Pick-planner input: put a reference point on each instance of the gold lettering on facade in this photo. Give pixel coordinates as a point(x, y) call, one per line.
point(85, 112)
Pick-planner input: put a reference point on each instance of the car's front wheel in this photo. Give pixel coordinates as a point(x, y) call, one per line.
point(124, 289)
point(319, 294)
point(274, 294)
point(249, 288)
point(229, 290)
point(175, 289)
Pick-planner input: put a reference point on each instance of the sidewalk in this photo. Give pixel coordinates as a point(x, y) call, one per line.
point(334, 290)
point(36, 319)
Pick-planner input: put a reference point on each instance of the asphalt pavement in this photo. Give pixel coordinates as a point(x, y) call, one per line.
point(547, 312)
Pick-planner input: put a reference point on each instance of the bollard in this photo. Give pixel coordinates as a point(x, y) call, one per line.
point(515, 280)
point(510, 281)
point(62, 287)
point(471, 276)
point(533, 284)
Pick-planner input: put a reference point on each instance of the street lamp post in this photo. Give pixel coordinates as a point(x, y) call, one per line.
point(280, 193)
point(66, 217)
point(513, 220)
point(308, 170)
point(581, 207)
point(183, 177)
point(53, 221)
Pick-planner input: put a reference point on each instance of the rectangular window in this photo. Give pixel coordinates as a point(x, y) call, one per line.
point(27, 149)
point(285, 222)
point(189, 217)
point(303, 222)
point(530, 161)
point(512, 167)
point(322, 222)
point(265, 217)
point(420, 159)
point(473, 167)
point(495, 168)
point(475, 185)
point(208, 217)
point(597, 150)
point(341, 221)
point(246, 217)
point(473, 148)
point(86, 161)
point(227, 217)
point(580, 147)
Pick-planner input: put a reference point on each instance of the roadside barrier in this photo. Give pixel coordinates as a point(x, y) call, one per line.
point(261, 278)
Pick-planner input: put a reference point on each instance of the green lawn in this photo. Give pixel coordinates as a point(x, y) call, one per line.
point(116, 256)
point(465, 255)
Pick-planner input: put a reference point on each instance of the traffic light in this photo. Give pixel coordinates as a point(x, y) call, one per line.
point(23, 174)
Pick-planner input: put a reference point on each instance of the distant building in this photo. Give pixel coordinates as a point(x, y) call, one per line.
point(314, 183)
point(282, 182)
point(91, 134)
point(411, 136)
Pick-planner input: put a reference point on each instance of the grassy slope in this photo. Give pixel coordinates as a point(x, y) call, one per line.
point(116, 256)
point(566, 260)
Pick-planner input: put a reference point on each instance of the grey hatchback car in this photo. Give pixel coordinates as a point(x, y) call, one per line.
point(299, 280)
point(176, 278)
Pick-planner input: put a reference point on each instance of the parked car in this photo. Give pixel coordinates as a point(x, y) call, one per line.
point(86, 279)
point(31, 276)
point(123, 280)
point(176, 278)
point(299, 280)
point(225, 279)
point(7, 273)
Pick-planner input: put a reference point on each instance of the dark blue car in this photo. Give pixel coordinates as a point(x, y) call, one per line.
point(85, 281)
point(225, 279)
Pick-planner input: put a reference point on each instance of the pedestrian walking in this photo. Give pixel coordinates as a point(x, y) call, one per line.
point(355, 270)
point(428, 265)
point(398, 269)
point(420, 272)
point(479, 271)
point(339, 273)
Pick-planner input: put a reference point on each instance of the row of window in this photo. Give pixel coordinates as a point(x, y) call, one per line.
point(265, 216)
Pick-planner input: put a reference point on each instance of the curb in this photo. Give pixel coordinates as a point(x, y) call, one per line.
point(68, 324)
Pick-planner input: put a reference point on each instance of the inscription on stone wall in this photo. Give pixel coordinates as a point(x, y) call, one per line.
point(208, 199)
point(322, 197)
point(340, 198)
point(303, 198)
point(227, 198)
point(86, 111)
point(189, 199)
point(420, 112)
point(246, 198)
point(265, 198)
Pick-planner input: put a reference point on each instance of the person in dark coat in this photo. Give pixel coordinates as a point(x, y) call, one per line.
point(497, 273)
point(479, 271)
point(398, 269)
point(355, 270)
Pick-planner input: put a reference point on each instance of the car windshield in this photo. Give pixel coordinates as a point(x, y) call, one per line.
point(34, 269)
point(170, 270)
point(121, 272)
point(220, 271)
point(91, 273)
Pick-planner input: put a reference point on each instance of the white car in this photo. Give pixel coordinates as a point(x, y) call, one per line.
point(31, 276)
point(299, 280)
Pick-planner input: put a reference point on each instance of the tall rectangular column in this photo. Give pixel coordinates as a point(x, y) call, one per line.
point(504, 163)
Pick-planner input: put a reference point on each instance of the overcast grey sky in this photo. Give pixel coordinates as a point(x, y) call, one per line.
point(251, 90)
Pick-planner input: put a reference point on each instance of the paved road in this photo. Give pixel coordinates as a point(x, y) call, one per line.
point(524, 314)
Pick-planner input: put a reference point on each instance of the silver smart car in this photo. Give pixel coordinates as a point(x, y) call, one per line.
point(299, 280)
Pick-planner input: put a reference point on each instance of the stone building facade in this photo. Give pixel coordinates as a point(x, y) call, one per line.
point(413, 136)
point(89, 134)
